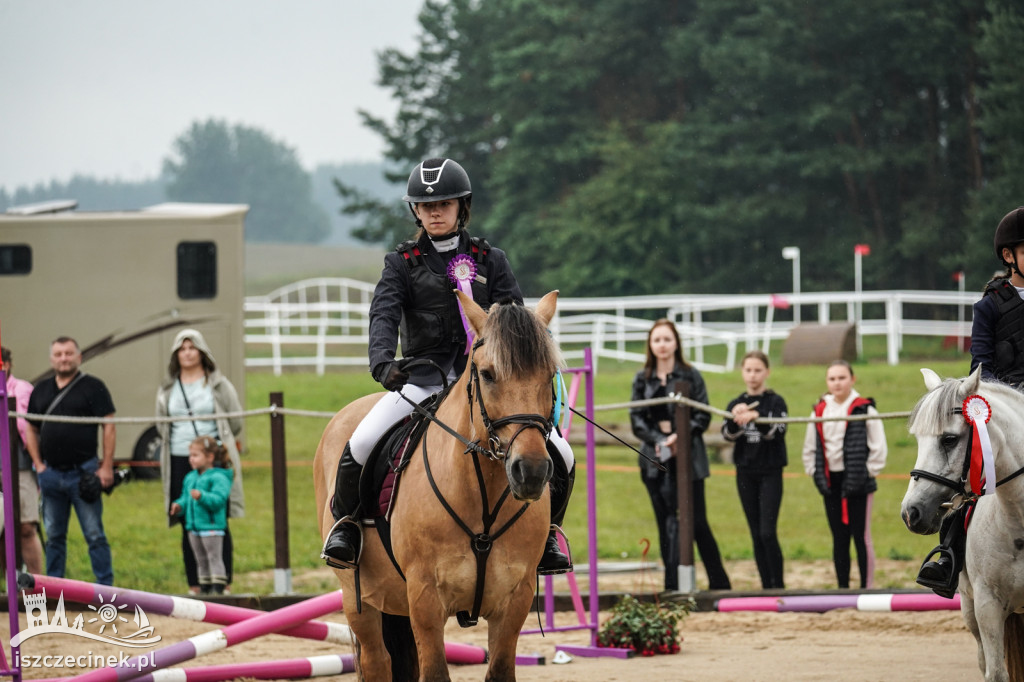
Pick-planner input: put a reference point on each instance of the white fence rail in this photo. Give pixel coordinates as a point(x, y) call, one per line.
point(320, 323)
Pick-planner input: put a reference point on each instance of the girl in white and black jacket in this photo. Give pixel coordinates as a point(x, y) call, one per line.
point(759, 453)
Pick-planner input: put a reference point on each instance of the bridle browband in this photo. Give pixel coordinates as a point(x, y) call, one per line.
point(493, 451)
point(960, 487)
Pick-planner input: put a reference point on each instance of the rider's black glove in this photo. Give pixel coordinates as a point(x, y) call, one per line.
point(391, 375)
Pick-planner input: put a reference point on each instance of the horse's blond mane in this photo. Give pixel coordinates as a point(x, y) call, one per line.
point(931, 411)
point(518, 343)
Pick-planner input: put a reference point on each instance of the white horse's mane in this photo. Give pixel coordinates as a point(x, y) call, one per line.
point(936, 406)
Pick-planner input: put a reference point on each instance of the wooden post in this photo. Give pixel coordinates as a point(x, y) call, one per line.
point(684, 490)
point(279, 474)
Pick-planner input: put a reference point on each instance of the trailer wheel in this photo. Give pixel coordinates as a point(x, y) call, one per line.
point(147, 449)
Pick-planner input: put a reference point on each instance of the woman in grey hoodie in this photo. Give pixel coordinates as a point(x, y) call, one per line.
point(195, 387)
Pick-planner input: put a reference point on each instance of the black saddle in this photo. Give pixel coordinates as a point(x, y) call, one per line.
point(389, 457)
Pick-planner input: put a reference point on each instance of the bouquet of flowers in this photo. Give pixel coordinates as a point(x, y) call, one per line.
point(647, 629)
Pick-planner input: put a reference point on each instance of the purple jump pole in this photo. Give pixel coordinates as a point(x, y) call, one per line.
point(818, 603)
point(180, 607)
point(263, 624)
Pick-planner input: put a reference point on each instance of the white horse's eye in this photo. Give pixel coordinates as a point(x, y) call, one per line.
point(949, 440)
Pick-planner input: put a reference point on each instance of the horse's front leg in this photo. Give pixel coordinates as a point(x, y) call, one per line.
point(428, 619)
point(373, 661)
point(990, 616)
point(503, 634)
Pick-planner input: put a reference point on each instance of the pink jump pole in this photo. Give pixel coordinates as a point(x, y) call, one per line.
point(285, 669)
point(212, 612)
point(176, 607)
point(263, 624)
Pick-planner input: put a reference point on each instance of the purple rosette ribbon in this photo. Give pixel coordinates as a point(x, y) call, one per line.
point(462, 272)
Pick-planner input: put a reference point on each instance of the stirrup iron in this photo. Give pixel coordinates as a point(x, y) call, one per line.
point(338, 563)
point(568, 553)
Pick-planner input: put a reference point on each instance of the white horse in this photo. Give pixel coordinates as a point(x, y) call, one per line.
point(992, 579)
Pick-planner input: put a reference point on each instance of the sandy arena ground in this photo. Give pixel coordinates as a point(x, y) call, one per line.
point(838, 645)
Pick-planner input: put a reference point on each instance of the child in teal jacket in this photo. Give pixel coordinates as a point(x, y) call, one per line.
point(204, 505)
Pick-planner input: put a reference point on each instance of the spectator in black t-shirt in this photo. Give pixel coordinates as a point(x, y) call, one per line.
point(64, 452)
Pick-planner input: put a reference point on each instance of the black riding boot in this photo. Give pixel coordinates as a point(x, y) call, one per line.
point(942, 574)
point(341, 549)
point(554, 561)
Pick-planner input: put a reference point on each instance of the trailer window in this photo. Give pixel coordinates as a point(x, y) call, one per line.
point(197, 270)
point(15, 259)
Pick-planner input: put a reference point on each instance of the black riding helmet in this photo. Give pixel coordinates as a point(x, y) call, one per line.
point(438, 180)
point(1009, 233)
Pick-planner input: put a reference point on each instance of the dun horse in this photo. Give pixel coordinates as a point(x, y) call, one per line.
point(992, 579)
point(454, 503)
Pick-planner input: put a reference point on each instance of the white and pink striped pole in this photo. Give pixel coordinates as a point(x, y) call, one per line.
point(193, 647)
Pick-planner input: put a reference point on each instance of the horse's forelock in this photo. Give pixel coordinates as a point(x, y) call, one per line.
point(518, 343)
point(931, 411)
point(938, 405)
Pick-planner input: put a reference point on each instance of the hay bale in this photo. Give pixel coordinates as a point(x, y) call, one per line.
point(820, 344)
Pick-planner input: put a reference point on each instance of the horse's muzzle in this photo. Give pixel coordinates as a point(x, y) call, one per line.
point(527, 477)
point(920, 521)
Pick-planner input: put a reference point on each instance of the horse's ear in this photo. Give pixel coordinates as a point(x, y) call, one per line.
point(931, 379)
point(546, 307)
point(476, 315)
point(971, 383)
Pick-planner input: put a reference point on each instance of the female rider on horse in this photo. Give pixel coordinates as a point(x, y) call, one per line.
point(415, 299)
point(997, 345)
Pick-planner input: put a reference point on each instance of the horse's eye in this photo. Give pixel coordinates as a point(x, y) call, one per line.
point(486, 375)
point(949, 440)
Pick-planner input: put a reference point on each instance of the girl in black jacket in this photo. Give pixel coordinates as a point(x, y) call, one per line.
point(759, 454)
point(655, 427)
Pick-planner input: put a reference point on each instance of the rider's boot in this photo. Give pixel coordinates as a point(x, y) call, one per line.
point(341, 549)
point(554, 560)
point(942, 574)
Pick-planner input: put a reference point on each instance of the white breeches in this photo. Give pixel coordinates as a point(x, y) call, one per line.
point(392, 407)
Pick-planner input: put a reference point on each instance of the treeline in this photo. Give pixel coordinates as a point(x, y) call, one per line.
point(618, 147)
point(219, 163)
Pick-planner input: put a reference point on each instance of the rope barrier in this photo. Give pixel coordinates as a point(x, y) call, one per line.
point(674, 398)
point(274, 410)
point(271, 410)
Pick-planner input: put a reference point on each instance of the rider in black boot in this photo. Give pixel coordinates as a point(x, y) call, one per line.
point(554, 561)
point(942, 574)
point(341, 549)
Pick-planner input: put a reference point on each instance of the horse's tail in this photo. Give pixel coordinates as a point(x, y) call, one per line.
point(1013, 641)
point(401, 646)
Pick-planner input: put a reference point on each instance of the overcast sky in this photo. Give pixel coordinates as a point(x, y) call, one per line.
point(103, 87)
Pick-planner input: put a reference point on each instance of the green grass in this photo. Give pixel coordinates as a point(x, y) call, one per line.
point(147, 552)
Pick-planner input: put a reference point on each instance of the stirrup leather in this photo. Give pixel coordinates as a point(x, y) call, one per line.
point(568, 553)
point(338, 563)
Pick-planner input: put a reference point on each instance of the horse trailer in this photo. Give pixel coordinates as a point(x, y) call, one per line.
point(122, 284)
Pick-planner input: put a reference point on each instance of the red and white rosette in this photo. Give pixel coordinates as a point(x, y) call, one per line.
point(978, 412)
point(462, 272)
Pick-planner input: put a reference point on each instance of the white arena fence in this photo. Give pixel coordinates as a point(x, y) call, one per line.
point(323, 322)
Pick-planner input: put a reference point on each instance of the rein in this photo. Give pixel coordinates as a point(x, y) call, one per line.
point(481, 543)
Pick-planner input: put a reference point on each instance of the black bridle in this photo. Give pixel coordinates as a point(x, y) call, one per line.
point(481, 543)
point(960, 487)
